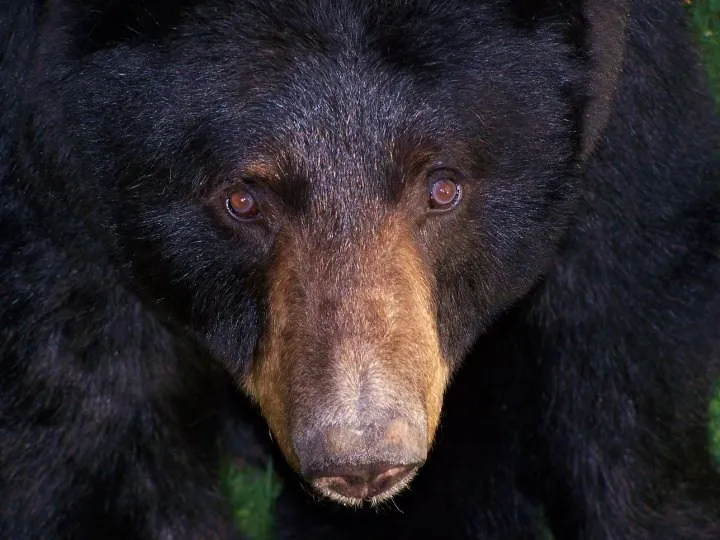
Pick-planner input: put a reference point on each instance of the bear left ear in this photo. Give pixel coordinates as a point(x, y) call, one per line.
point(605, 24)
point(598, 28)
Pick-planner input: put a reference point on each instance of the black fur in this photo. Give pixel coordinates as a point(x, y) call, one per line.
point(578, 299)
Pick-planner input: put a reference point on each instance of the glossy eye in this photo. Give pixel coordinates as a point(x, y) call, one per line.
point(445, 193)
point(241, 205)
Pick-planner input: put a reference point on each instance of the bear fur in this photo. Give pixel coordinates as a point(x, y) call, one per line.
point(575, 286)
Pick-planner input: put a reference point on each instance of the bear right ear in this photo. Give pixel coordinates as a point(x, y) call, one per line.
point(96, 24)
point(605, 32)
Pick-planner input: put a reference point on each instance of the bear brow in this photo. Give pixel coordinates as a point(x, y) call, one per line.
point(280, 172)
point(265, 170)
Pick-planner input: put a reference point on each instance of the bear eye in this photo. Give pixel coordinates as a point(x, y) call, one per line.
point(445, 192)
point(242, 205)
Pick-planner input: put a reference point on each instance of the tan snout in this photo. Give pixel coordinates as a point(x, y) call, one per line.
point(350, 375)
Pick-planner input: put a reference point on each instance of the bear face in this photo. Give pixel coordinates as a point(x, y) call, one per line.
point(337, 211)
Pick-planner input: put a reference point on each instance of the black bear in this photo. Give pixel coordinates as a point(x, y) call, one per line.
point(334, 208)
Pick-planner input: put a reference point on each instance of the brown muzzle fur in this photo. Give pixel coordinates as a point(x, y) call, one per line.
point(350, 375)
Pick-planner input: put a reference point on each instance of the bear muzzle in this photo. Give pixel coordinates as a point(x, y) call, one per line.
point(350, 374)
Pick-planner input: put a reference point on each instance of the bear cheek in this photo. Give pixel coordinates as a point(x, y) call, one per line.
point(352, 394)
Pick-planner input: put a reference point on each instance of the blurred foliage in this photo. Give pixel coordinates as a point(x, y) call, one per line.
point(252, 493)
point(706, 18)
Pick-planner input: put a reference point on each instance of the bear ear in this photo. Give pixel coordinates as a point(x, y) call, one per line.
point(597, 28)
point(605, 39)
point(101, 23)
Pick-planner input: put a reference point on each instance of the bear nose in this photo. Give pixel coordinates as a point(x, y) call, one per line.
point(361, 463)
point(362, 481)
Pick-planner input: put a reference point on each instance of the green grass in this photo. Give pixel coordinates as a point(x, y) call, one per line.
point(706, 17)
point(253, 492)
point(715, 426)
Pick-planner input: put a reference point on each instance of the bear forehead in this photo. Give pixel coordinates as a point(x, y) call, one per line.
point(353, 98)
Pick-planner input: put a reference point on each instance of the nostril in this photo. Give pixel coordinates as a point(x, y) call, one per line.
point(363, 482)
point(386, 480)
